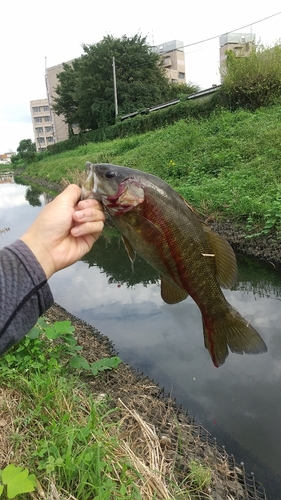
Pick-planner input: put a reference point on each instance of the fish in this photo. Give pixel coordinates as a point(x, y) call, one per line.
point(159, 225)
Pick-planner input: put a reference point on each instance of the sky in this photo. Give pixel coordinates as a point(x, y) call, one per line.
point(35, 34)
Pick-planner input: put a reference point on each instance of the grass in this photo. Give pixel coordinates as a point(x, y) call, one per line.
point(227, 165)
point(75, 444)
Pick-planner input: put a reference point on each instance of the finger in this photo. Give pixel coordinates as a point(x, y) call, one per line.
point(90, 202)
point(90, 239)
point(71, 195)
point(88, 215)
point(88, 228)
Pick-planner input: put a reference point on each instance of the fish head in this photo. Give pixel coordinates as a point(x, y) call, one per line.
point(117, 188)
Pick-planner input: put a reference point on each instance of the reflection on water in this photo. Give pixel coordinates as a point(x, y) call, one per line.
point(110, 256)
point(6, 178)
point(239, 403)
point(34, 193)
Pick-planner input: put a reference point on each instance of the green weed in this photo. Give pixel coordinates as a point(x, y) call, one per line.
point(17, 481)
point(200, 476)
point(47, 345)
point(60, 431)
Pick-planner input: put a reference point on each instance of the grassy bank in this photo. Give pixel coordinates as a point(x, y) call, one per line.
point(227, 166)
point(63, 440)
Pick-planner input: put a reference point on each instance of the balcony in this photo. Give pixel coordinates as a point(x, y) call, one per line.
point(167, 62)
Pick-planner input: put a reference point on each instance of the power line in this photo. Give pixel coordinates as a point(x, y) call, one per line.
point(221, 34)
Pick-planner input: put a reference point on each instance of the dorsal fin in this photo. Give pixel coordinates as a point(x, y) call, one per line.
point(224, 256)
point(190, 207)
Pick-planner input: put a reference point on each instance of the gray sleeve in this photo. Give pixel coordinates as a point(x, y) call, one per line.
point(24, 293)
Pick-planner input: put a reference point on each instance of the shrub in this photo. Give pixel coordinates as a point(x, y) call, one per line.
point(252, 81)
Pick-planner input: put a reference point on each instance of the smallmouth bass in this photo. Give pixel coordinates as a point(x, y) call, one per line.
point(158, 224)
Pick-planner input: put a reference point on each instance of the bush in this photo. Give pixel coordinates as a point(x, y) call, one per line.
point(253, 81)
point(140, 124)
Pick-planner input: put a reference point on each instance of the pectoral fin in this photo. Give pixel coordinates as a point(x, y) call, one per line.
point(130, 250)
point(170, 293)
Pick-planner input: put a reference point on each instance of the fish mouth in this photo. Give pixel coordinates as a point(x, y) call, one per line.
point(90, 186)
point(96, 179)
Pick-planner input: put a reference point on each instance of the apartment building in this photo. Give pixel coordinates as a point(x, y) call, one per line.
point(42, 123)
point(60, 128)
point(240, 43)
point(48, 127)
point(173, 60)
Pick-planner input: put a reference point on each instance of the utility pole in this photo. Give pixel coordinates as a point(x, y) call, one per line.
point(115, 89)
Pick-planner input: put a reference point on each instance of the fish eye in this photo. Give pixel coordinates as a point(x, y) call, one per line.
point(109, 174)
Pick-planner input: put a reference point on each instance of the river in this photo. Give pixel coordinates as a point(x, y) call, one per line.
point(239, 403)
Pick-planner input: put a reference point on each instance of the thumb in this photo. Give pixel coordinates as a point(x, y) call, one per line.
point(72, 193)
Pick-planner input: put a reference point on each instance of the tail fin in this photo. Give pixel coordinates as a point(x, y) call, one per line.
point(231, 331)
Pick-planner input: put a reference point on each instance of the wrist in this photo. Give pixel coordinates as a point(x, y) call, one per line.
point(41, 254)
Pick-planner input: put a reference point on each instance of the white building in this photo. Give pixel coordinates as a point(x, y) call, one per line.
point(173, 60)
point(240, 43)
point(42, 123)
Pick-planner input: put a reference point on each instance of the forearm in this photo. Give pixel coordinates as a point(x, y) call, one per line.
point(24, 293)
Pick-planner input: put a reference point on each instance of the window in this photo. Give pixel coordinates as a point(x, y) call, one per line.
point(48, 129)
point(50, 139)
point(47, 118)
point(45, 108)
point(167, 61)
point(38, 119)
point(182, 75)
point(39, 130)
point(36, 109)
point(41, 139)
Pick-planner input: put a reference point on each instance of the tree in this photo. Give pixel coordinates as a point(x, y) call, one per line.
point(66, 104)
point(26, 151)
point(32, 195)
point(252, 81)
point(86, 90)
point(182, 90)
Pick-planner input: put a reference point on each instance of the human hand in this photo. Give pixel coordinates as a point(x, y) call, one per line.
point(65, 230)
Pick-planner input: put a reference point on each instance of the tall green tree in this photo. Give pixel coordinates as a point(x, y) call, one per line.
point(26, 151)
point(86, 89)
point(252, 81)
point(182, 90)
